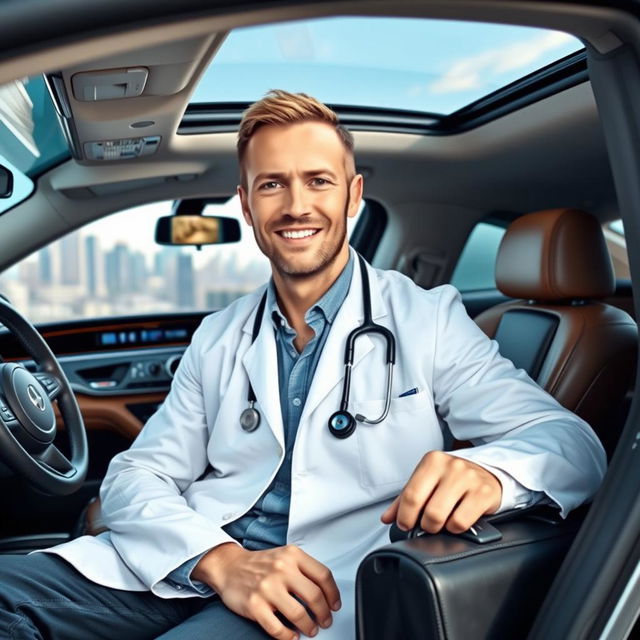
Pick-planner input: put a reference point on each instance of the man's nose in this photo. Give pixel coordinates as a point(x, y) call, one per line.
point(297, 204)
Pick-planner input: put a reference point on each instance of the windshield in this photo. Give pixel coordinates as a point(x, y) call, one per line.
point(434, 66)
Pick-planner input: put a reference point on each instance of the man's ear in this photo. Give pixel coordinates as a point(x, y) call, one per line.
point(244, 203)
point(355, 194)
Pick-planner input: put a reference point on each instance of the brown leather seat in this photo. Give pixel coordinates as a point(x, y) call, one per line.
point(579, 349)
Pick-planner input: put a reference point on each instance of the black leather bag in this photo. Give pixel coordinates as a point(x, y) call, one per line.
point(451, 588)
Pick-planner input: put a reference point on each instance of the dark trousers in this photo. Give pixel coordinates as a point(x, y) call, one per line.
point(42, 597)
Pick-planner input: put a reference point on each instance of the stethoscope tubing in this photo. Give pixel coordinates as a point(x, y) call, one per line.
point(341, 423)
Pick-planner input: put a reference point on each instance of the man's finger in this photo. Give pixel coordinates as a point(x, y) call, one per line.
point(452, 488)
point(418, 490)
point(440, 506)
point(473, 506)
point(268, 620)
point(313, 596)
point(295, 612)
point(322, 576)
point(392, 510)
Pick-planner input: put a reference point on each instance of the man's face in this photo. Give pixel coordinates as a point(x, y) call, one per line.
point(300, 189)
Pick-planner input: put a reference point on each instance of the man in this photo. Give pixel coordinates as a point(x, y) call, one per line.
point(267, 517)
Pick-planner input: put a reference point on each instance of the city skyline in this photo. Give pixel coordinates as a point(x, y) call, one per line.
point(114, 267)
point(76, 277)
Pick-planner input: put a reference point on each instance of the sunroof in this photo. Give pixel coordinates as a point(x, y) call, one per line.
point(433, 66)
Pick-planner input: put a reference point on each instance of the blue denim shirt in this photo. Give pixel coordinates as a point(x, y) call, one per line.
point(265, 525)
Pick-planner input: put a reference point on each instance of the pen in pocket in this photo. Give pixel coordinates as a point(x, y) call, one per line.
point(410, 392)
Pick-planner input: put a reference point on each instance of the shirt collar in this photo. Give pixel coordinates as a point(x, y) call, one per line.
point(328, 305)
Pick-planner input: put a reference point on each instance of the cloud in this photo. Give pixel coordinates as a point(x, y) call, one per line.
point(480, 70)
point(295, 42)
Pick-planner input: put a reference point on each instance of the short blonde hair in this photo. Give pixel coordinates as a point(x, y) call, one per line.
point(280, 107)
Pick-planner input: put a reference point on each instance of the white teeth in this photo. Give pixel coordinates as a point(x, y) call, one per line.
point(299, 234)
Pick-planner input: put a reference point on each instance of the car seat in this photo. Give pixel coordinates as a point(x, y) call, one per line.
point(579, 349)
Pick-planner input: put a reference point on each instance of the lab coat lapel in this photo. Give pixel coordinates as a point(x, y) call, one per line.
point(261, 364)
point(330, 369)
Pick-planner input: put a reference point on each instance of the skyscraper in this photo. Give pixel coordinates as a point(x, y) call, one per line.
point(138, 272)
point(45, 270)
point(71, 267)
point(90, 243)
point(117, 269)
point(185, 289)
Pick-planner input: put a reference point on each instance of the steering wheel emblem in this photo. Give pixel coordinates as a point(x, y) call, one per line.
point(36, 397)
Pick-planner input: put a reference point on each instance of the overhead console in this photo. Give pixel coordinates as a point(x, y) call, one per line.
point(128, 104)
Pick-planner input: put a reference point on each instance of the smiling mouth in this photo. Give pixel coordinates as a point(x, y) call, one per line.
point(290, 234)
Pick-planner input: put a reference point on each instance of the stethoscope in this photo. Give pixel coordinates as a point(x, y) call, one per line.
point(341, 423)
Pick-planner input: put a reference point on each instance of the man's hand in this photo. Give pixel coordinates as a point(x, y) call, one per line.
point(255, 584)
point(449, 492)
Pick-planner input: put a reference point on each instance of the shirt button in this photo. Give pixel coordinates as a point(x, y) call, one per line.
point(227, 516)
point(296, 402)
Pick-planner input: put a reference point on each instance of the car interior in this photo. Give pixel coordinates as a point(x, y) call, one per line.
point(522, 194)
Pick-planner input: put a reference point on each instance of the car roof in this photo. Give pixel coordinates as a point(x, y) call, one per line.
point(548, 153)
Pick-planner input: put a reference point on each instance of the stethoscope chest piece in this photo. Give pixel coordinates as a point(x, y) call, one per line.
point(342, 424)
point(250, 419)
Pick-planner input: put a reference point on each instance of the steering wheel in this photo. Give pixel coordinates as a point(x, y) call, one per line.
point(27, 419)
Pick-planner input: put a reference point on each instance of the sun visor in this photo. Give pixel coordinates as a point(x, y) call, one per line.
point(113, 84)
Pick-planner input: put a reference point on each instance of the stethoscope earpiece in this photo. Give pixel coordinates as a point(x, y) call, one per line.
point(342, 424)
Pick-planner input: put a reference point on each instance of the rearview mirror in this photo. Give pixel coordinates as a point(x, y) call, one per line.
point(6, 182)
point(196, 230)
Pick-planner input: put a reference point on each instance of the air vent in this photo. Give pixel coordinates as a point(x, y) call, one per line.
point(171, 365)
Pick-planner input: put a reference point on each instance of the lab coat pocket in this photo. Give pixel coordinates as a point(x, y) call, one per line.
point(389, 451)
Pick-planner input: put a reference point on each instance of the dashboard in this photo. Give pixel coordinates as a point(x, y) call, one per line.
point(119, 368)
point(101, 335)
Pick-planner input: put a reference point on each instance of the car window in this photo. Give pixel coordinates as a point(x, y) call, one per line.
point(113, 267)
point(475, 269)
point(617, 244)
point(31, 137)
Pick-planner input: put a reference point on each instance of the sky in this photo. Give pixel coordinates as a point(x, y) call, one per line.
point(418, 64)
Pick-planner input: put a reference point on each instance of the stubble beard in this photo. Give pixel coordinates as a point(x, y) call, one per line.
point(326, 256)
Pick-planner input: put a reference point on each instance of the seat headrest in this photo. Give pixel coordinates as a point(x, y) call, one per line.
point(559, 254)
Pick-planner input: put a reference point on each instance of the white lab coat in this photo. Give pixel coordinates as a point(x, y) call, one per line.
point(161, 511)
